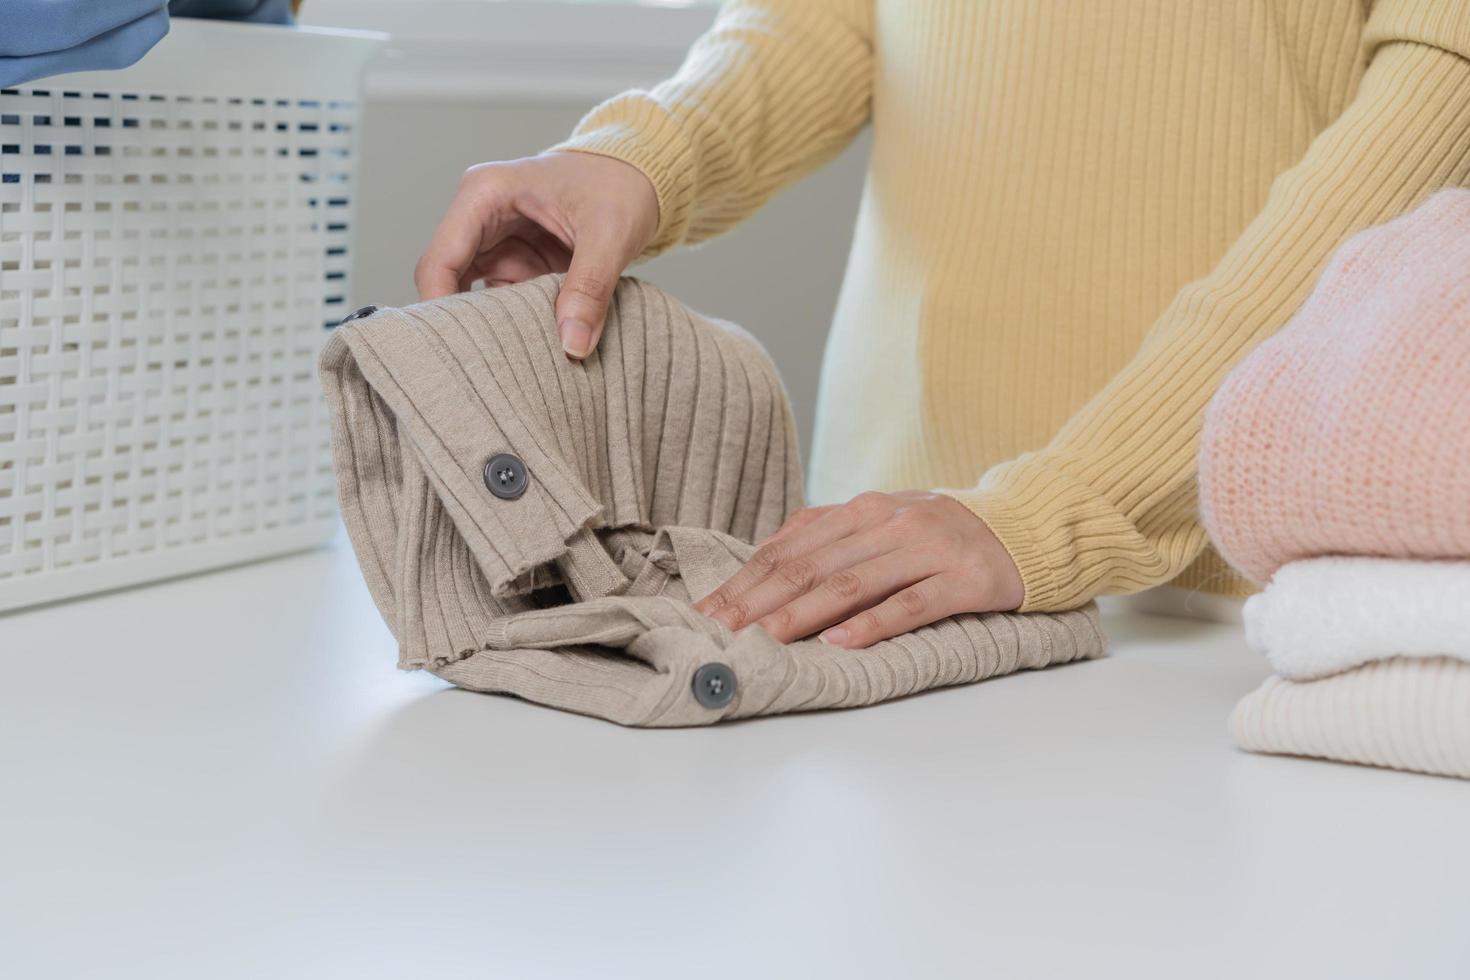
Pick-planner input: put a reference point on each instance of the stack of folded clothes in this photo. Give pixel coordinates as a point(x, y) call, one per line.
point(1335, 468)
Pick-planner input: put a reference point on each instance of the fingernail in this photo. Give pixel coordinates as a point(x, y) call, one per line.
point(836, 636)
point(576, 338)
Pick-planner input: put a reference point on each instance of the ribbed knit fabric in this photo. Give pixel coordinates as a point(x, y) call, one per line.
point(1400, 713)
point(1077, 218)
point(1348, 433)
point(648, 468)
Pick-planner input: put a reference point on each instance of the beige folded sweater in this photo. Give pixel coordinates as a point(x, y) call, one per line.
point(1403, 713)
point(537, 527)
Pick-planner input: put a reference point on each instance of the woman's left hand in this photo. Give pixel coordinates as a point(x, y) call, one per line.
point(877, 566)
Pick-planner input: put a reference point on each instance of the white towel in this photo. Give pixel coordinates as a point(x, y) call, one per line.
point(1326, 615)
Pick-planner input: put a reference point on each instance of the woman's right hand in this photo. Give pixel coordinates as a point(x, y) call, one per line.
point(586, 215)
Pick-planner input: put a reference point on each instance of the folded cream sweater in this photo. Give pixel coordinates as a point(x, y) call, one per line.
point(1400, 713)
point(537, 527)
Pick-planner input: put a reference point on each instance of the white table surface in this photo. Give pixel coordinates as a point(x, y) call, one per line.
point(225, 776)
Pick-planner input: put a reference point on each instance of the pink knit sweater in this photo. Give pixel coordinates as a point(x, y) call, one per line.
point(1349, 431)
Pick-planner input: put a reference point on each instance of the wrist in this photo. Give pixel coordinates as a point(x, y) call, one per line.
point(641, 134)
point(1033, 585)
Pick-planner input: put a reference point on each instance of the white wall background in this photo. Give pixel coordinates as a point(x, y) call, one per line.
point(465, 81)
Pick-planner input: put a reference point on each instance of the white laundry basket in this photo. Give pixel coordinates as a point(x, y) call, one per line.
point(175, 240)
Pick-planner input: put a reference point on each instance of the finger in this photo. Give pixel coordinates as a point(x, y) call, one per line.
point(798, 520)
point(472, 225)
point(915, 605)
point(513, 260)
point(598, 258)
point(527, 251)
point(848, 591)
point(801, 574)
point(556, 255)
point(821, 532)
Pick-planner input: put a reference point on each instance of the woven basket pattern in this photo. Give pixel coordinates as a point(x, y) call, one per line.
point(169, 267)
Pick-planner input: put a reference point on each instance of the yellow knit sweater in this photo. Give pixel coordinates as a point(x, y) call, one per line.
point(1078, 216)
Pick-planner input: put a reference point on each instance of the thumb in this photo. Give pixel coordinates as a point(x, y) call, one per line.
point(581, 307)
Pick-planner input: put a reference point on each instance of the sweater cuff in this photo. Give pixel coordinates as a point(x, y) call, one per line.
point(1039, 579)
point(1437, 23)
point(638, 131)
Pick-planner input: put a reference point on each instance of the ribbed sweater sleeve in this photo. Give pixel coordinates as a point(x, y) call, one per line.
point(1109, 505)
point(772, 91)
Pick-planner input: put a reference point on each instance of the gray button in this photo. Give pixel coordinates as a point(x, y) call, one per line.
point(506, 476)
point(714, 685)
point(360, 313)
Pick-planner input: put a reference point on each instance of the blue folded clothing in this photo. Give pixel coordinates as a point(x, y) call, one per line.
point(38, 27)
point(52, 37)
point(258, 11)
